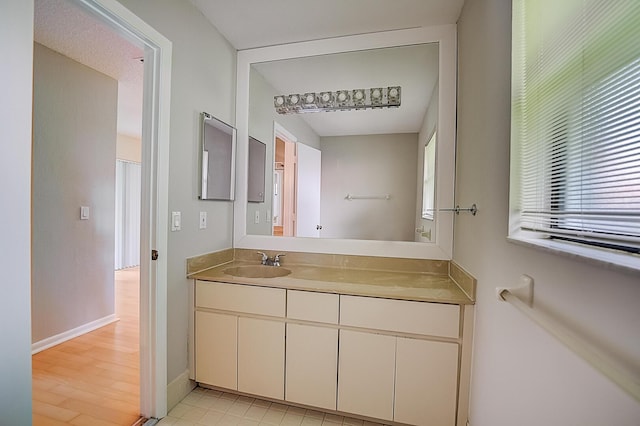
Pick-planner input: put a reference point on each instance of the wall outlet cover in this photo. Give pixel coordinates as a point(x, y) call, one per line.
point(203, 220)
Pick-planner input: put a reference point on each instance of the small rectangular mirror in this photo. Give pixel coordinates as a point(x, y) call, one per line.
point(257, 159)
point(217, 168)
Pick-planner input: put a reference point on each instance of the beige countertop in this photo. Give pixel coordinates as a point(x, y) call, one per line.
point(425, 287)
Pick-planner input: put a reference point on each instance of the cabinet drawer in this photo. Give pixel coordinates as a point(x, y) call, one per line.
point(402, 316)
point(241, 298)
point(311, 306)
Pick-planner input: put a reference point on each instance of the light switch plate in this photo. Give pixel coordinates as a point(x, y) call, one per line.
point(203, 220)
point(257, 216)
point(84, 213)
point(176, 221)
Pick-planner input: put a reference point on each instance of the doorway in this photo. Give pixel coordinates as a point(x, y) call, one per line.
point(154, 199)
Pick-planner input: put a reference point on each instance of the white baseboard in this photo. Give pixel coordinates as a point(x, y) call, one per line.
point(70, 334)
point(178, 389)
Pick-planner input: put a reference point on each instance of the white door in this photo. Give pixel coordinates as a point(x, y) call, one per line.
point(426, 382)
point(312, 358)
point(308, 191)
point(261, 357)
point(366, 374)
point(216, 349)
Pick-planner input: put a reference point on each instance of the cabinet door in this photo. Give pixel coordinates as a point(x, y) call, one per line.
point(426, 382)
point(366, 374)
point(261, 357)
point(216, 344)
point(312, 365)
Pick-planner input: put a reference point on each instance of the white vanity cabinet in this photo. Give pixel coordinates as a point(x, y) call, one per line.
point(237, 345)
point(393, 360)
point(386, 374)
point(312, 349)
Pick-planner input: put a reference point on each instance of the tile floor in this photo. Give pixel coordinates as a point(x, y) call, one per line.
point(209, 407)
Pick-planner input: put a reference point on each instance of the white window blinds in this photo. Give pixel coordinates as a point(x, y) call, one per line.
point(576, 120)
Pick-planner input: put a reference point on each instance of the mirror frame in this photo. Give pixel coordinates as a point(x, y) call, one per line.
point(442, 246)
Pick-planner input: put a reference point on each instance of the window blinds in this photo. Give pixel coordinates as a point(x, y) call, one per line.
point(576, 119)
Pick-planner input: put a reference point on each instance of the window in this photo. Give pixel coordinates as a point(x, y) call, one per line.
point(429, 179)
point(575, 136)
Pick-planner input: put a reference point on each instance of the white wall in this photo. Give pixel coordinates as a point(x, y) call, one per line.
point(16, 45)
point(521, 375)
point(202, 79)
point(74, 150)
point(369, 165)
point(262, 114)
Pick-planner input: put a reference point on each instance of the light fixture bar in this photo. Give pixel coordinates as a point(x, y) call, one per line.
point(340, 100)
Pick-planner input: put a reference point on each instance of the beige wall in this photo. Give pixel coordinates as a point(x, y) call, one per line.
point(16, 43)
point(369, 165)
point(128, 148)
point(203, 78)
point(521, 375)
point(74, 149)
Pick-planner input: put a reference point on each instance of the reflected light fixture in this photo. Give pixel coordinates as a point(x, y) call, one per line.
point(341, 100)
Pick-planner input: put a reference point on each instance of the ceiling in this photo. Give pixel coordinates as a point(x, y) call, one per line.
point(65, 28)
point(258, 23)
point(61, 26)
point(413, 68)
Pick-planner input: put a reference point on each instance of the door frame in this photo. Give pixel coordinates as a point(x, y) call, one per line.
point(154, 199)
point(289, 191)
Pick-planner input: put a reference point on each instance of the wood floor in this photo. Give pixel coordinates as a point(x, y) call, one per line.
point(93, 379)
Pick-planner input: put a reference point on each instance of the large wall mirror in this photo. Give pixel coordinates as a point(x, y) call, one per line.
point(350, 182)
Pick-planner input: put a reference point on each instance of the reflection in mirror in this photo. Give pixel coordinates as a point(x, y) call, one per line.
point(217, 159)
point(429, 179)
point(256, 116)
point(257, 158)
point(348, 174)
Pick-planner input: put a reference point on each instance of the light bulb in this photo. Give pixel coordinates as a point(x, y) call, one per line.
point(342, 96)
point(359, 95)
point(325, 97)
point(393, 92)
point(294, 99)
point(279, 100)
point(376, 94)
point(310, 98)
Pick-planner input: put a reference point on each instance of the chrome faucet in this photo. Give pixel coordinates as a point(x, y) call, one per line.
point(270, 261)
point(276, 259)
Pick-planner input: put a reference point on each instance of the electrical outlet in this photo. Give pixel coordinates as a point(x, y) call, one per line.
point(203, 220)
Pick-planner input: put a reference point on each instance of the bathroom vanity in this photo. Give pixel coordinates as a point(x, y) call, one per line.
point(390, 343)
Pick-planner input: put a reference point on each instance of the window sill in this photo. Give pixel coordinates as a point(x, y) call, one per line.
point(608, 259)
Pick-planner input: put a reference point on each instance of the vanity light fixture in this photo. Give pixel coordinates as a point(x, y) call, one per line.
point(341, 100)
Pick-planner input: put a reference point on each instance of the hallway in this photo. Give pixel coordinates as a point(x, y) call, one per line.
point(94, 379)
